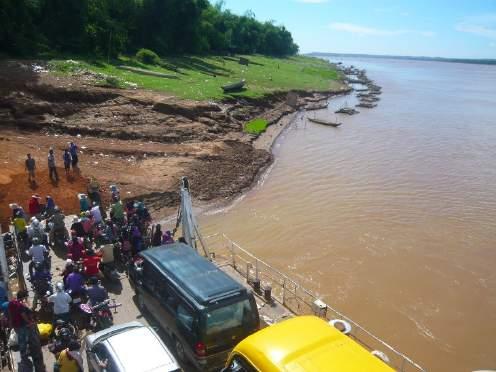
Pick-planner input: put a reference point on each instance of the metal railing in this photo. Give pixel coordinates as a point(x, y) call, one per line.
point(296, 298)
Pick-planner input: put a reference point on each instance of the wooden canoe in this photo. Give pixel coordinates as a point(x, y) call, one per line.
point(324, 122)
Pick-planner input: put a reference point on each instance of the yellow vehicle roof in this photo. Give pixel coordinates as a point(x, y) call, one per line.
point(307, 343)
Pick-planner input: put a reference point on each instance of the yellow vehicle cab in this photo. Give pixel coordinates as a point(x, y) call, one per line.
point(303, 343)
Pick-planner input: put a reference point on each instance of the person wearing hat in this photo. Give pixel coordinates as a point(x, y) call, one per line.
point(34, 206)
point(52, 167)
point(61, 303)
point(58, 224)
point(49, 206)
point(20, 226)
point(35, 230)
point(22, 321)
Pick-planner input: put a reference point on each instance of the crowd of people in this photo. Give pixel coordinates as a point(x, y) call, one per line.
point(100, 240)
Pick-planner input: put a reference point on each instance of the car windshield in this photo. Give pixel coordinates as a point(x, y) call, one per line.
point(238, 314)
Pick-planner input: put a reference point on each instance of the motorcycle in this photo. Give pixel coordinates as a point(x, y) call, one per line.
point(65, 335)
point(100, 315)
point(58, 236)
point(42, 290)
point(108, 270)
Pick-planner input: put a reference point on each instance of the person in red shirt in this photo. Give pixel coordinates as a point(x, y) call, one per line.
point(22, 320)
point(34, 205)
point(91, 263)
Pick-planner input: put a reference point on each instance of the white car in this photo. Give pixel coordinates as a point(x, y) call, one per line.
point(129, 347)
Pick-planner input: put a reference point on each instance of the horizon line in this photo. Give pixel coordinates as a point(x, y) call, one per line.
point(403, 56)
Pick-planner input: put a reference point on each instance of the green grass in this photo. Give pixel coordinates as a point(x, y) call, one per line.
point(201, 77)
point(256, 126)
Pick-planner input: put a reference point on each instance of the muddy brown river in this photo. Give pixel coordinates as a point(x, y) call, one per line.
point(391, 218)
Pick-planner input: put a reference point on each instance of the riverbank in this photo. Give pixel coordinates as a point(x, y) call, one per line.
point(141, 140)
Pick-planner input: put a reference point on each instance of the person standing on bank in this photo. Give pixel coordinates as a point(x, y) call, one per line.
point(67, 161)
point(30, 167)
point(73, 150)
point(52, 168)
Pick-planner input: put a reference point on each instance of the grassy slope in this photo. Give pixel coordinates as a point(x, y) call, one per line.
point(196, 78)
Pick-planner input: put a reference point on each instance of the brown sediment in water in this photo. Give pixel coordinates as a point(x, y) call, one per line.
point(143, 141)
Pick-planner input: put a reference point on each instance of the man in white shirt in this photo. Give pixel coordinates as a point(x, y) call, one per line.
point(37, 252)
point(61, 303)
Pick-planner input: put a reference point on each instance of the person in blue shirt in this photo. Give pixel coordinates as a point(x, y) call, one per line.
point(67, 161)
point(73, 149)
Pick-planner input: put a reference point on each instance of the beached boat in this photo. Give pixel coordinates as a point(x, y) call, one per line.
point(316, 106)
point(366, 104)
point(234, 86)
point(347, 110)
point(324, 122)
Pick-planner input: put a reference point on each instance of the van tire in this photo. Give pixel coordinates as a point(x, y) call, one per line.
point(140, 301)
point(180, 352)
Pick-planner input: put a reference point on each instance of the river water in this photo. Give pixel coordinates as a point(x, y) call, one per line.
point(391, 218)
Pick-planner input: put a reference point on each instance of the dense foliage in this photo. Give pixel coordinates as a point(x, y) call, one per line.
point(110, 27)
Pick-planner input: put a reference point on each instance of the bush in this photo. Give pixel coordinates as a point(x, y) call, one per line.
point(147, 56)
point(256, 126)
point(112, 82)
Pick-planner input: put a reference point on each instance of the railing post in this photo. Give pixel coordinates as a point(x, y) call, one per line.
point(233, 256)
point(256, 269)
point(284, 291)
point(248, 266)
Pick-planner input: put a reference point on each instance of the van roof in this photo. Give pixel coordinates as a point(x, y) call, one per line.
point(316, 347)
point(192, 273)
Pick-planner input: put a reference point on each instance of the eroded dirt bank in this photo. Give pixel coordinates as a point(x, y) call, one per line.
point(143, 141)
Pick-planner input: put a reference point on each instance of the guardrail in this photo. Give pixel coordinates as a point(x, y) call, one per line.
point(298, 299)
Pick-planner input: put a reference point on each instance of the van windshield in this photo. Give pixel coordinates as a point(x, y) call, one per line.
point(238, 314)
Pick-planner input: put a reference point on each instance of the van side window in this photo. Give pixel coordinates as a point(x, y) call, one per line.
point(239, 364)
point(185, 317)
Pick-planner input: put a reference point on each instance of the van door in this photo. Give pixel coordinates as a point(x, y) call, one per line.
point(151, 283)
point(187, 323)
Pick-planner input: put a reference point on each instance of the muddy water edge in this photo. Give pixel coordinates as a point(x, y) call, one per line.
point(391, 217)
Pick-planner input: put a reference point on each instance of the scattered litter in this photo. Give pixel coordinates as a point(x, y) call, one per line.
point(39, 68)
point(95, 162)
point(101, 154)
point(84, 147)
point(144, 155)
point(78, 136)
point(55, 135)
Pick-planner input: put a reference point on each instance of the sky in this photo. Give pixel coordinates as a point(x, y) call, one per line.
point(436, 28)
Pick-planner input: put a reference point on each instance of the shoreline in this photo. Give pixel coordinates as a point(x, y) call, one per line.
point(164, 138)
